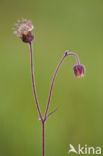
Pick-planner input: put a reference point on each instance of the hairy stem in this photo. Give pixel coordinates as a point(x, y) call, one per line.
point(74, 54)
point(43, 138)
point(55, 74)
point(50, 93)
point(33, 82)
point(36, 101)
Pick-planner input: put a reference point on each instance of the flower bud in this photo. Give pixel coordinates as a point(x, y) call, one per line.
point(79, 70)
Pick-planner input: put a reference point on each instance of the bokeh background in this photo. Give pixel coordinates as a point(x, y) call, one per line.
point(74, 25)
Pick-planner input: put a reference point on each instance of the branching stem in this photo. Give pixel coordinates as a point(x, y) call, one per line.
point(43, 119)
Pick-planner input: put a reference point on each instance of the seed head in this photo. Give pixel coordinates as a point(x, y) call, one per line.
point(24, 30)
point(79, 70)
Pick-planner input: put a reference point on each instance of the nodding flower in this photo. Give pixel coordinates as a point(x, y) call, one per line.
point(79, 70)
point(24, 29)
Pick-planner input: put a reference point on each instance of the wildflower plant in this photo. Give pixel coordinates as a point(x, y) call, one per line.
point(24, 30)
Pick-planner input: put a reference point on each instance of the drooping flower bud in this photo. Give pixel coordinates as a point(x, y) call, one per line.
point(24, 30)
point(79, 70)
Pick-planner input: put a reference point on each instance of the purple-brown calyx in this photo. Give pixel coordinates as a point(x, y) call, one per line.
point(79, 70)
point(27, 38)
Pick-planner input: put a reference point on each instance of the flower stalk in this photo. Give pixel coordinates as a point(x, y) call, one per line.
point(55, 74)
point(33, 82)
point(36, 101)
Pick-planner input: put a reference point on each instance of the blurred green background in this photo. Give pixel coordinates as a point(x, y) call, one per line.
point(74, 25)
